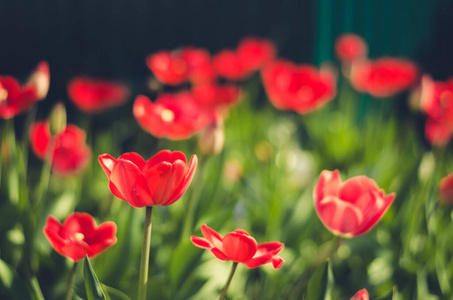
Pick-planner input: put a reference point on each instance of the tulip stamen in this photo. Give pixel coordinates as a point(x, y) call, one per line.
point(79, 236)
point(167, 115)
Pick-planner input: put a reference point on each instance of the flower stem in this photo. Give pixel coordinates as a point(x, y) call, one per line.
point(144, 261)
point(71, 282)
point(227, 284)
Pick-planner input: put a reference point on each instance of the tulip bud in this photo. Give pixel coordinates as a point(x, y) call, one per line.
point(57, 118)
point(446, 189)
point(212, 138)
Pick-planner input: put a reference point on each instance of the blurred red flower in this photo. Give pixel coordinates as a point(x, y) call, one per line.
point(436, 133)
point(16, 99)
point(301, 88)
point(436, 100)
point(350, 47)
point(79, 236)
point(383, 77)
point(254, 53)
point(172, 116)
point(161, 180)
point(251, 55)
point(349, 208)
point(95, 95)
point(228, 64)
point(238, 246)
point(68, 151)
point(200, 69)
point(216, 97)
point(176, 67)
point(361, 295)
point(446, 189)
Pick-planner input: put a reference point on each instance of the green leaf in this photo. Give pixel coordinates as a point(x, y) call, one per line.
point(6, 274)
point(92, 284)
point(318, 283)
point(113, 293)
point(184, 260)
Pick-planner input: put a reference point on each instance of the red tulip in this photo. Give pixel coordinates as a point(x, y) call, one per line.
point(300, 88)
point(349, 208)
point(436, 101)
point(68, 151)
point(200, 69)
point(350, 47)
point(384, 77)
point(79, 236)
point(16, 99)
point(94, 95)
point(238, 246)
point(172, 116)
point(255, 53)
point(228, 64)
point(361, 295)
point(446, 189)
point(216, 97)
point(437, 133)
point(176, 67)
point(167, 67)
point(161, 180)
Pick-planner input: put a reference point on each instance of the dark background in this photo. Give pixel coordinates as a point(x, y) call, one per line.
point(111, 38)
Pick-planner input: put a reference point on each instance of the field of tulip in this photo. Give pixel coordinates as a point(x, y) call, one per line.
point(233, 175)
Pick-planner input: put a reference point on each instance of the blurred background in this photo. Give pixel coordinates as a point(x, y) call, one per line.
point(112, 38)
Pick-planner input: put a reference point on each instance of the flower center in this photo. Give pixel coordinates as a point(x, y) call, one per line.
point(3, 96)
point(79, 236)
point(167, 115)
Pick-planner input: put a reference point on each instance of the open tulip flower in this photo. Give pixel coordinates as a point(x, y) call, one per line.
point(238, 246)
point(94, 95)
point(176, 67)
point(255, 53)
point(173, 116)
point(349, 208)
point(383, 77)
point(161, 180)
point(361, 295)
point(299, 88)
point(79, 236)
point(16, 99)
point(68, 151)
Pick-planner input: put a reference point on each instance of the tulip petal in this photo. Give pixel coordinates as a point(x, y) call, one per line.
point(238, 247)
point(185, 182)
point(130, 182)
point(361, 295)
point(40, 138)
point(356, 190)
point(135, 158)
point(164, 155)
point(219, 254)
point(340, 217)
point(201, 242)
point(107, 162)
point(375, 213)
point(212, 236)
point(328, 185)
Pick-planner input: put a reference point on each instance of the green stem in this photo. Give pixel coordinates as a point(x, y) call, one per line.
point(71, 282)
point(144, 261)
point(227, 284)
